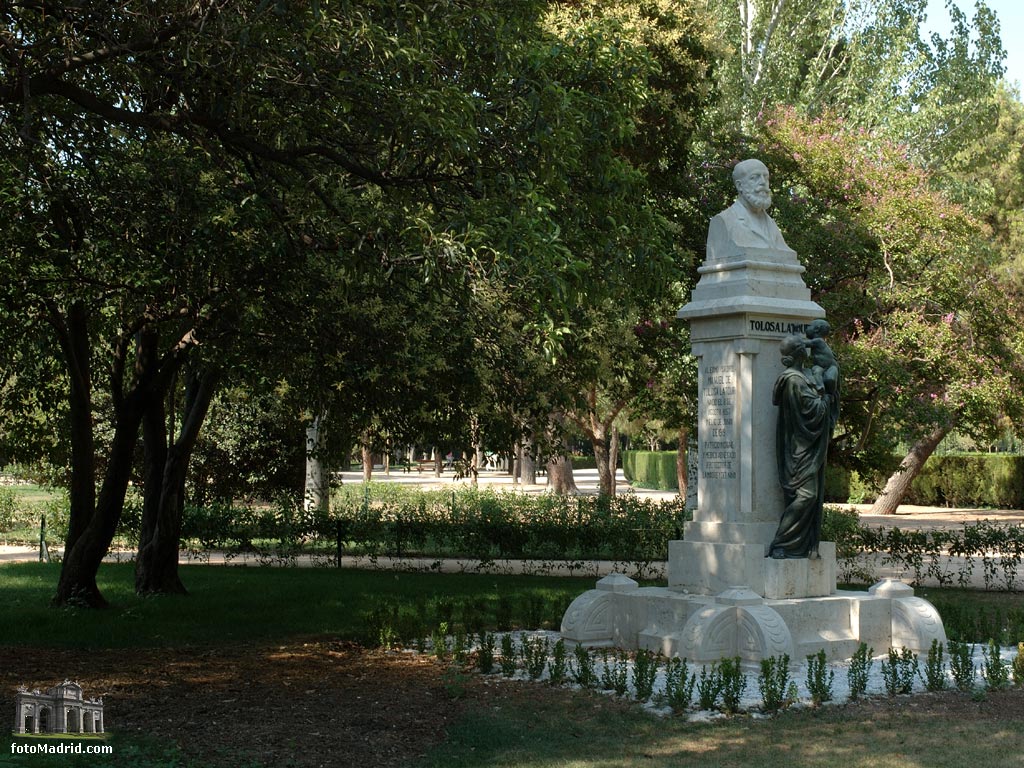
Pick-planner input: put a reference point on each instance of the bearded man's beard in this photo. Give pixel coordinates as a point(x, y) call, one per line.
point(760, 200)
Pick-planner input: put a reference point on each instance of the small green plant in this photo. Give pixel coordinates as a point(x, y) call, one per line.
point(508, 656)
point(582, 668)
point(993, 670)
point(935, 668)
point(773, 682)
point(8, 508)
point(734, 683)
point(860, 670)
point(1018, 666)
point(709, 687)
point(534, 653)
point(485, 653)
point(899, 671)
point(454, 682)
point(620, 674)
point(439, 641)
point(503, 613)
point(380, 623)
point(819, 678)
point(460, 647)
point(614, 671)
point(607, 677)
point(558, 668)
point(792, 693)
point(534, 609)
point(961, 664)
point(645, 670)
point(679, 684)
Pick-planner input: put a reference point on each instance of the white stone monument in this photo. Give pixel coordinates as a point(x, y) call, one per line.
point(725, 596)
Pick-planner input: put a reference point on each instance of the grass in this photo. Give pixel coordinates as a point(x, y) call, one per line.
point(243, 604)
point(976, 616)
point(515, 725)
point(582, 731)
point(30, 501)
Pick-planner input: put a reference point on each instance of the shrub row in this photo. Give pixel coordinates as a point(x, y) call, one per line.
point(386, 520)
point(657, 470)
point(976, 480)
point(963, 480)
point(949, 557)
point(481, 525)
point(651, 469)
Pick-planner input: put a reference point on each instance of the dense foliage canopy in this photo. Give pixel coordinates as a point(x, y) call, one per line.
point(470, 222)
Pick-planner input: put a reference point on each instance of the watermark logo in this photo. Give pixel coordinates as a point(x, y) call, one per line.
point(62, 709)
point(76, 748)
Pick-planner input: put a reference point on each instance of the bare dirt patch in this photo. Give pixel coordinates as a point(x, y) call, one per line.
point(319, 702)
point(302, 703)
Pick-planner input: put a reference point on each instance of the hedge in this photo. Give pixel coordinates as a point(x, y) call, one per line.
point(994, 480)
point(377, 521)
point(651, 469)
point(970, 480)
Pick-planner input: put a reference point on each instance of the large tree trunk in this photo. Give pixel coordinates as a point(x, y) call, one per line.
point(527, 465)
point(613, 459)
point(681, 469)
point(899, 482)
point(477, 451)
point(602, 454)
point(560, 477)
point(367, 455)
point(156, 567)
point(93, 517)
point(316, 493)
point(74, 337)
point(600, 433)
point(82, 559)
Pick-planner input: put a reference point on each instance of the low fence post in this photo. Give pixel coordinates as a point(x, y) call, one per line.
point(337, 538)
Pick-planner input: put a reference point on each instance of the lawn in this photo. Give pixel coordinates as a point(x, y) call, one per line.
point(29, 502)
point(261, 667)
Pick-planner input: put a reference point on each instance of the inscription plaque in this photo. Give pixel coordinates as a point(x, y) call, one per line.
point(717, 437)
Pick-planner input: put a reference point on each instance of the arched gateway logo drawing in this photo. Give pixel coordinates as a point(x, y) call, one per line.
point(61, 709)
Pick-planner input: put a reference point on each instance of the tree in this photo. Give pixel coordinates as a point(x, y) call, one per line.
point(369, 145)
point(87, 86)
point(987, 177)
point(925, 335)
point(867, 61)
point(668, 401)
point(624, 226)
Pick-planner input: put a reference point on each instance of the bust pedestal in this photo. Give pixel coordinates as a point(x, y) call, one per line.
point(725, 597)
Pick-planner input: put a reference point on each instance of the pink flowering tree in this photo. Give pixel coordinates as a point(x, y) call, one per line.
point(927, 338)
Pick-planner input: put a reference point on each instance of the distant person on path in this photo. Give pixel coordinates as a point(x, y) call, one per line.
point(802, 436)
point(746, 223)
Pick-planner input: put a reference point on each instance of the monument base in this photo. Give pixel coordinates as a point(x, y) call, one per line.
point(713, 558)
point(739, 622)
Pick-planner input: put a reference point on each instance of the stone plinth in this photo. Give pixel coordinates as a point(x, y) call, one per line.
point(710, 567)
point(739, 622)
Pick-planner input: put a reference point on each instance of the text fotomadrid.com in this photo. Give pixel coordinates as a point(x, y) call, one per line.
point(61, 749)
